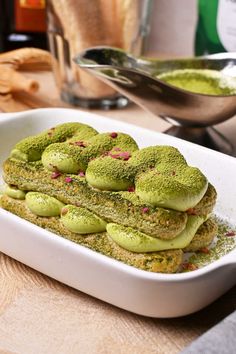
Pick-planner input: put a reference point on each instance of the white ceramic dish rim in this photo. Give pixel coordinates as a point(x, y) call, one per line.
point(228, 259)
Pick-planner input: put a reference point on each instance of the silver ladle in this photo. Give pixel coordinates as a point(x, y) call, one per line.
point(192, 114)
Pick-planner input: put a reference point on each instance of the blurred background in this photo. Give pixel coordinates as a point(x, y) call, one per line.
point(23, 23)
point(173, 27)
point(46, 35)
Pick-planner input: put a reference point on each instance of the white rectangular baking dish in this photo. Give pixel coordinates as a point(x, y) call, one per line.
point(148, 294)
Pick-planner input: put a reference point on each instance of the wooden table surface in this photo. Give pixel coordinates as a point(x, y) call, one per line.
point(41, 315)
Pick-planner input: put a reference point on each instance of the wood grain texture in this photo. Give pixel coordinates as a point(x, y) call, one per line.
point(40, 315)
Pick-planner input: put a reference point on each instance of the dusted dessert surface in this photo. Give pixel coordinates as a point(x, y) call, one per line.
point(32, 147)
point(144, 201)
point(112, 206)
point(111, 161)
point(74, 155)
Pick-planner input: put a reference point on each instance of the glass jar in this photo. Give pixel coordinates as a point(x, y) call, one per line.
point(74, 25)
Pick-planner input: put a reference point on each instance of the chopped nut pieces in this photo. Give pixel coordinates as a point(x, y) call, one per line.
point(230, 233)
point(68, 179)
point(145, 210)
point(204, 250)
point(55, 174)
point(189, 266)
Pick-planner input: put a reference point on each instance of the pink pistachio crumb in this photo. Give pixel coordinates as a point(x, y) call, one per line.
point(68, 179)
point(189, 266)
point(145, 210)
point(114, 156)
point(204, 250)
point(125, 155)
point(80, 143)
point(55, 175)
point(131, 189)
point(230, 233)
point(81, 174)
point(113, 135)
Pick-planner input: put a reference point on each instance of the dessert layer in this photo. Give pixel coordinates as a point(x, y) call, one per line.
point(162, 262)
point(160, 175)
point(138, 206)
point(123, 208)
point(80, 220)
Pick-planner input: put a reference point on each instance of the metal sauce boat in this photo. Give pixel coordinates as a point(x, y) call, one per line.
point(191, 113)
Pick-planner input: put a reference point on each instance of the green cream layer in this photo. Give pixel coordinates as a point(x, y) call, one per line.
point(80, 220)
point(136, 241)
point(43, 205)
point(14, 193)
point(76, 219)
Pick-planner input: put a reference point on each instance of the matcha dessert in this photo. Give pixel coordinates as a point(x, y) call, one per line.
point(145, 207)
point(203, 81)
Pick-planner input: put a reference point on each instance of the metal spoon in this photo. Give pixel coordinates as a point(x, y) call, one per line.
point(191, 112)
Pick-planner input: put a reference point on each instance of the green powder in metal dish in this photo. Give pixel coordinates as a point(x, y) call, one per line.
point(203, 81)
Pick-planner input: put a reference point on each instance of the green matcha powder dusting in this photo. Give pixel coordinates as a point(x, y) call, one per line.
point(224, 243)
